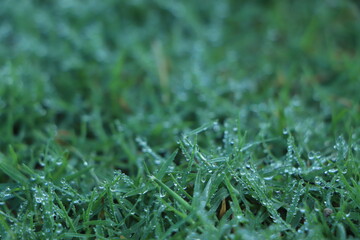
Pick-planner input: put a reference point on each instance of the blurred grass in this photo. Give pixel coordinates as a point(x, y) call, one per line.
point(87, 89)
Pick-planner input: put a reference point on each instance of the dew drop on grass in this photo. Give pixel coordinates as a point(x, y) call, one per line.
point(285, 131)
point(341, 146)
point(6, 193)
point(39, 196)
point(59, 228)
point(311, 155)
point(59, 162)
point(42, 163)
point(186, 143)
point(203, 179)
point(318, 181)
point(340, 143)
point(268, 178)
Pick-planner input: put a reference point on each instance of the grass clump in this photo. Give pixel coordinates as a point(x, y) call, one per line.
point(179, 120)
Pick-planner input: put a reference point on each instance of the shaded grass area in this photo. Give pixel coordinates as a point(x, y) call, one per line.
point(179, 120)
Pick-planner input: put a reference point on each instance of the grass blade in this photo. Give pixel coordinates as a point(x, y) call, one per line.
point(12, 172)
point(179, 199)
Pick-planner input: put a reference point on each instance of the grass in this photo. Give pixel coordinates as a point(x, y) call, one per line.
point(179, 120)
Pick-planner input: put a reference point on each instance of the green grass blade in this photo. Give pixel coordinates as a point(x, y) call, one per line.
point(12, 172)
point(165, 165)
point(179, 199)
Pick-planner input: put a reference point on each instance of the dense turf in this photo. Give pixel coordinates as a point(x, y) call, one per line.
point(179, 119)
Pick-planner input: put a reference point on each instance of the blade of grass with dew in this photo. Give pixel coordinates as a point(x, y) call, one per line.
point(199, 202)
point(177, 212)
point(90, 207)
point(68, 220)
point(179, 199)
point(99, 222)
point(180, 189)
point(78, 173)
point(255, 183)
point(165, 165)
point(295, 201)
point(110, 204)
point(232, 191)
point(252, 144)
point(198, 130)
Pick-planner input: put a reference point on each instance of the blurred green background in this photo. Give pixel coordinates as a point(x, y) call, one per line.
point(73, 69)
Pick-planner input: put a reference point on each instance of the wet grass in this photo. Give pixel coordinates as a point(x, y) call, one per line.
point(179, 120)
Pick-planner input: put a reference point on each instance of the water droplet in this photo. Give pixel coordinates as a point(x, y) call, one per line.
point(285, 131)
point(268, 178)
point(311, 155)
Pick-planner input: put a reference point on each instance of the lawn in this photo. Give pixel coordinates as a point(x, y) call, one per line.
point(156, 119)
